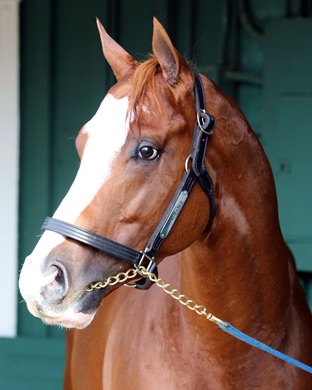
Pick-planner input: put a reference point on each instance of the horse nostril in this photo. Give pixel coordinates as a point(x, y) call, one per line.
point(50, 275)
point(54, 284)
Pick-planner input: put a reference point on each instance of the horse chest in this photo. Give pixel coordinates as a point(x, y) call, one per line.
point(138, 359)
point(139, 345)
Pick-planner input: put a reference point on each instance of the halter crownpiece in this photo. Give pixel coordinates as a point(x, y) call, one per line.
point(197, 172)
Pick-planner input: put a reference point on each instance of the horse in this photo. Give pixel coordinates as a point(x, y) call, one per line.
point(226, 253)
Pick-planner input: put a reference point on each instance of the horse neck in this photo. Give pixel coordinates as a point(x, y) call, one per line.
point(239, 269)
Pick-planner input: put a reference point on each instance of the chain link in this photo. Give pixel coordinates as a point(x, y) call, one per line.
point(113, 280)
point(166, 287)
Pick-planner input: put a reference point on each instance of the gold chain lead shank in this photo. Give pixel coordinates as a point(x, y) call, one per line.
point(166, 287)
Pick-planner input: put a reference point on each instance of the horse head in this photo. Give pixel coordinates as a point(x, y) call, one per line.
point(133, 154)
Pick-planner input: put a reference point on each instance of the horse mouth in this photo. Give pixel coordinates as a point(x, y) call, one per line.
point(79, 321)
point(78, 314)
point(71, 317)
point(90, 301)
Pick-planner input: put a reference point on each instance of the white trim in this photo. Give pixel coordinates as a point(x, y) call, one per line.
point(9, 163)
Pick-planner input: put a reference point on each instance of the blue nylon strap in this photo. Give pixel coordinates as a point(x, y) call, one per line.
point(228, 328)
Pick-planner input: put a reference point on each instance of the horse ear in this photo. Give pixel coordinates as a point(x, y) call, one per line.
point(168, 57)
point(117, 57)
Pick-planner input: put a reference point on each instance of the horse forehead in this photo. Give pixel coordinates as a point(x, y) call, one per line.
point(110, 120)
point(107, 132)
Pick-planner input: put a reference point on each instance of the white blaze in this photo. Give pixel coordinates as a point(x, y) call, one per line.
point(107, 132)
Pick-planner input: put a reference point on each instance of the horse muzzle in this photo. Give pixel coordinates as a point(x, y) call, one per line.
point(47, 296)
point(50, 284)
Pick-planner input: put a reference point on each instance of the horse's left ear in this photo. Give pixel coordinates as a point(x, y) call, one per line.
point(168, 57)
point(120, 61)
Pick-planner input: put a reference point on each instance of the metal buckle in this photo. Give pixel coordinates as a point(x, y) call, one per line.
point(151, 266)
point(205, 121)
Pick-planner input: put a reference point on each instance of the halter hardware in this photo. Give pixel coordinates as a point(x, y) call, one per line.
point(151, 266)
point(205, 122)
point(186, 164)
point(196, 173)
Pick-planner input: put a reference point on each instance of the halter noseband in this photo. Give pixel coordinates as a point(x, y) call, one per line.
point(197, 172)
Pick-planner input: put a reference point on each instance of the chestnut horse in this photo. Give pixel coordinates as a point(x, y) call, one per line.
point(133, 154)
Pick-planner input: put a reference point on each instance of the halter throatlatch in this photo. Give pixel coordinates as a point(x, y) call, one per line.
point(196, 172)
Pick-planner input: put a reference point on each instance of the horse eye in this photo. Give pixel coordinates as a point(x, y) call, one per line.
point(148, 153)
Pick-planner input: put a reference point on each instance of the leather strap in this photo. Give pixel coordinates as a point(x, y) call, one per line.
point(92, 239)
point(203, 127)
point(171, 214)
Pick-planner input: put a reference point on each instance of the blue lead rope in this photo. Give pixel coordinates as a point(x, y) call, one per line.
point(226, 327)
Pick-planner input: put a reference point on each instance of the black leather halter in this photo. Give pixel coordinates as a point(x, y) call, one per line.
point(195, 171)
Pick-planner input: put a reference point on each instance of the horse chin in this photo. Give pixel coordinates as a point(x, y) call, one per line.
point(67, 319)
point(80, 321)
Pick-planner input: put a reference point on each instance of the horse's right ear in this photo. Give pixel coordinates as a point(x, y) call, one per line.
point(120, 61)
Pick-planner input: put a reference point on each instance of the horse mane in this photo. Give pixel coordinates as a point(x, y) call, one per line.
point(143, 79)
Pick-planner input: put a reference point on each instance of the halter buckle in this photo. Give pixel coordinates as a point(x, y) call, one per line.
point(151, 265)
point(145, 283)
point(205, 121)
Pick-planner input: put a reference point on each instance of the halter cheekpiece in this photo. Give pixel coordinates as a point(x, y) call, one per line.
point(195, 171)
